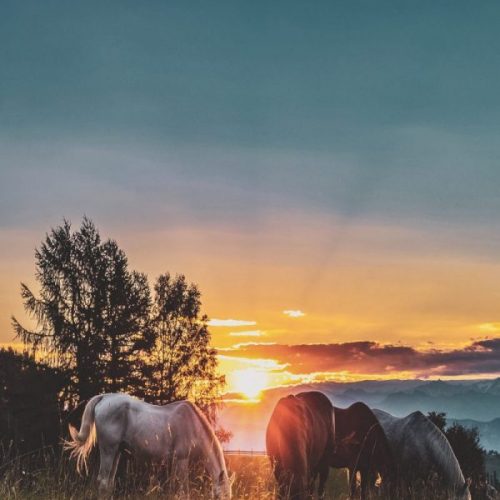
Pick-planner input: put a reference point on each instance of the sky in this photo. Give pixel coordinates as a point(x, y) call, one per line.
point(326, 173)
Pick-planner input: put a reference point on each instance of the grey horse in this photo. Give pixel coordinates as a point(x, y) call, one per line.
point(177, 432)
point(420, 449)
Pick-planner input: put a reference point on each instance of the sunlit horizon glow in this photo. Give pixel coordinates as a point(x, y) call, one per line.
point(285, 379)
point(249, 382)
point(359, 361)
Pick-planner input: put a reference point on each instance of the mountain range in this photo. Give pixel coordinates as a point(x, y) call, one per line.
point(472, 403)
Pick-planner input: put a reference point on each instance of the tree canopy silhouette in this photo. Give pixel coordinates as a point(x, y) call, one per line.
point(466, 445)
point(438, 419)
point(182, 364)
point(29, 407)
point(91, 313)
point(95, 320)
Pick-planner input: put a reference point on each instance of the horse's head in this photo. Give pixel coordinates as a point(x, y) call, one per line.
point(222, 487)
point(464, 492)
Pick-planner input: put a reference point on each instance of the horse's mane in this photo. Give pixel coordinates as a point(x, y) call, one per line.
point(214, 442)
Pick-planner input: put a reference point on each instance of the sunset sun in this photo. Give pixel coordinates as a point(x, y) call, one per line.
point(250, 382)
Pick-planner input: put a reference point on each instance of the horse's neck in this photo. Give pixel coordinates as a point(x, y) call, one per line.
point(212, 449)
point(439, 454)
point(342, 424)
point(215, 459)
point(447, 460)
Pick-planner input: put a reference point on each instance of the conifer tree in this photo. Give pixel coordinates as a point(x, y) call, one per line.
point(91, 313)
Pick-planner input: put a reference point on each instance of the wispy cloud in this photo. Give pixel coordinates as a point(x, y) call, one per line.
point(230, 322)
point(294, 313)
point(241, 345)
point(248, 333)
point(489, 327)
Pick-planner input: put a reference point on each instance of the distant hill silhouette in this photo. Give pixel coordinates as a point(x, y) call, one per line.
point(489, 431)
point(470, 403)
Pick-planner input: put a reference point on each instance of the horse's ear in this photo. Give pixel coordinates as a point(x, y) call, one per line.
point(221, 476)
point(230, 477)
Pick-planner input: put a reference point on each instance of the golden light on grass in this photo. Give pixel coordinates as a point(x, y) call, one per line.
point(249, 382)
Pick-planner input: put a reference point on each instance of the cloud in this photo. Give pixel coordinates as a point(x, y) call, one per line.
point(248, 333)
point(478, 357)
point(489, 327)
point(294, 313)
point(230, 322)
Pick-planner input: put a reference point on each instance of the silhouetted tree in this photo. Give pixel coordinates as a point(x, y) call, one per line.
point(466, 445)
point(182, 364)
point(29, 408)
point(91, 313)
point(438, 419)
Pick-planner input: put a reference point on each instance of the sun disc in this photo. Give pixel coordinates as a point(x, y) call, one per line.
point(249, 382)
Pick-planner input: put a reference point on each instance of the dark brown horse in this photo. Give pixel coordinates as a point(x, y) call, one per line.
point(300, 441)
point(361, 446)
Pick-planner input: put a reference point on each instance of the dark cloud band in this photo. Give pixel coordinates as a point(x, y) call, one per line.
point(479, 357)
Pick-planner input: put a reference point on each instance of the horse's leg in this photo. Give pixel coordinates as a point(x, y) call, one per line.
point(116, 461)
point(282, 482)
point(182, 477)
point(365, 483)
point(323, 476)
point(310, 484)
point(352, 482)
point(107, 469)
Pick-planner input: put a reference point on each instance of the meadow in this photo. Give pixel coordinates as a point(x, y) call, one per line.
point(43, 475)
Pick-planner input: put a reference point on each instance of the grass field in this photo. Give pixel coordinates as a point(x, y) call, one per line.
point(254, 479)
point(39, 478)
point(30, 478)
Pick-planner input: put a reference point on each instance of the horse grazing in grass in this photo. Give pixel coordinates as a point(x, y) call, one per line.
point(177, 435)
point(421, 450)
point(299, 442)
point(361, 445)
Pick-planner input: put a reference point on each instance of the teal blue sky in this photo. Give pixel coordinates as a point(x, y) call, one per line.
point(383, 108)
point(336, 158)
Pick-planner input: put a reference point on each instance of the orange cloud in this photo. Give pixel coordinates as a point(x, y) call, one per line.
point(294, 313)
point(230, 322)
point(248, 333)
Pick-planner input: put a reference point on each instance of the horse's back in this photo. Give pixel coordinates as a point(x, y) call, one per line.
point(317, 402)
point(148, 428)
point(421, 448)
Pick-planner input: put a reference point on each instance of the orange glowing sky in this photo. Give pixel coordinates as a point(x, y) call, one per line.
point(279, 160)
point(315, 282)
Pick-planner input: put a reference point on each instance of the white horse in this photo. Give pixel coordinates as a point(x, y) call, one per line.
point(421, 449)
point(175, 434)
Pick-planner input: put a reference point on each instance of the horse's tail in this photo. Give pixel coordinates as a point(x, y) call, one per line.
point(83, 441)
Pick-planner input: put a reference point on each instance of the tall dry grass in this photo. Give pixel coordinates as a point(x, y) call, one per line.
point(48, 474)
